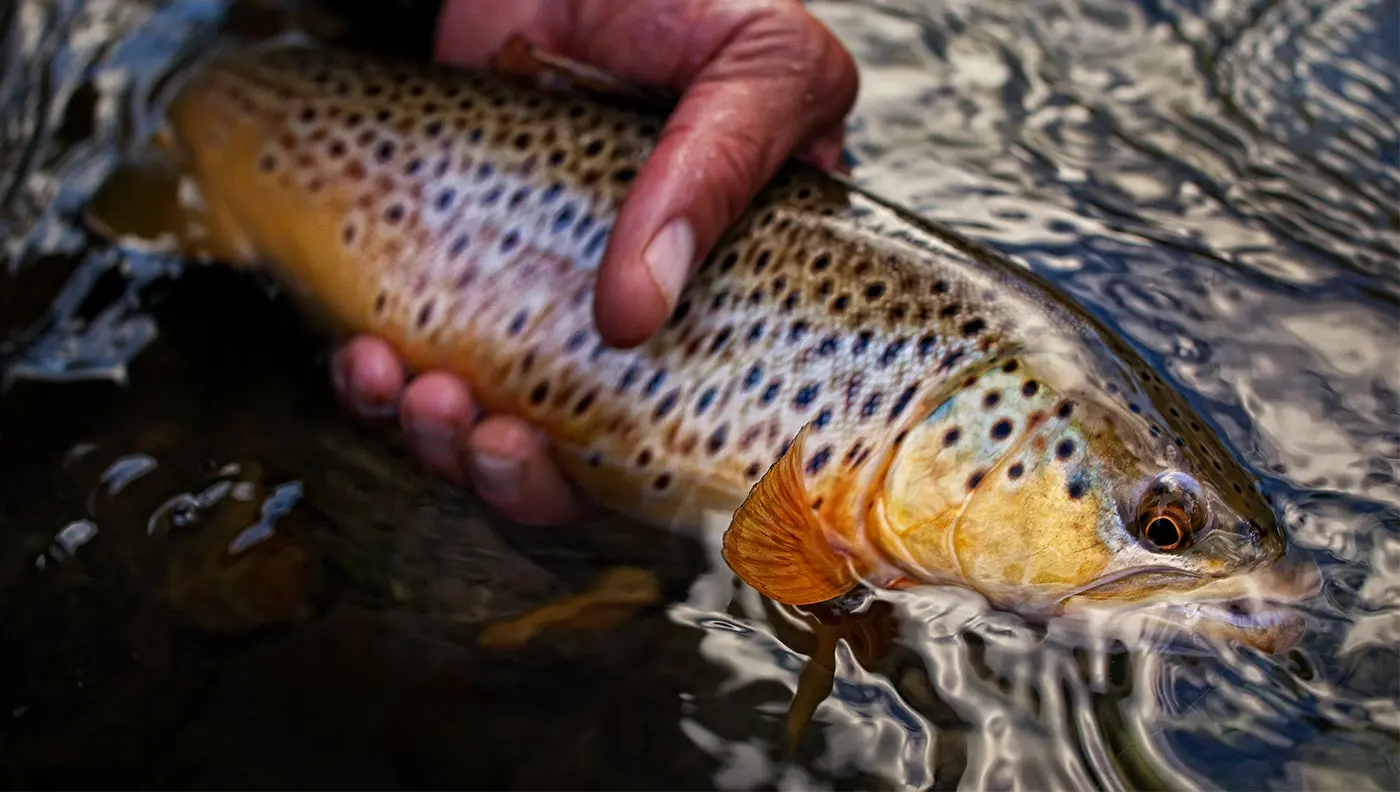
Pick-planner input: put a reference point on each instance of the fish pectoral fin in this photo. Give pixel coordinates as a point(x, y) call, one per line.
point(149, 202)
point(776, 541)
point(518, 57)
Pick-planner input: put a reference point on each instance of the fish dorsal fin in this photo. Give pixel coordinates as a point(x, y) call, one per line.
point(776, 541)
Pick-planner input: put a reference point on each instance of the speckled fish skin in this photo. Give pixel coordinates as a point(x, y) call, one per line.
point(964, 422)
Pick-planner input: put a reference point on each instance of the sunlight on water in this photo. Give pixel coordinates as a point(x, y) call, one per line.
point(1215, 180)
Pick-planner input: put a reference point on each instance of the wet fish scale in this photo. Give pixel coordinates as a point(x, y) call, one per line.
point(469, 198)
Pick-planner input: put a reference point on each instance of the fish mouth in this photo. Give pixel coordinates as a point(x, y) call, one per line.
point(1256, 608)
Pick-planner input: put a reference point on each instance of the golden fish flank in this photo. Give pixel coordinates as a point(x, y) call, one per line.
point(962, 421)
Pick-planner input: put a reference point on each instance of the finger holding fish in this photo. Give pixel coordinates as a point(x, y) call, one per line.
point(503, 458)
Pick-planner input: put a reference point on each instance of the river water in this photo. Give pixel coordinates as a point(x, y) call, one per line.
point(1217, 180)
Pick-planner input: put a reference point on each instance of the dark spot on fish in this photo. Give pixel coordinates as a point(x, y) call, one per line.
point(585, 402)
point(821, 262)
point(902, 402)
point(678, 315)
point(1134, 407)
point(898, 312)
point(629, 377)
point(817, 503)
point(381, 301)
point(459, 245)
point(975, 479)
point(805, 396)
point(337, 149)
point(1001, 429)
point(791, 301)
point(862, 342)
point(823, 418)
point(950, 310)
point(663, 408)
point(727, 263)
point(527, 362)
point(1065, 409)
point(394, 213)
point(871, 405)
point(540, 393)
point(1014, 472)
point(717, 438)
point(1064, 449)
point(557, 157)
point(595, 459)
point(1076, 490)
point(706, 398)
point(819, 460)
point(644, 457)
point(973, 327)
point(518, 197)
point(951, 436)
point(522, 141)
point(267, 163)
point(991, 399)
point(1035, 419)
point(517, 323)
point(721, 338)
point(770, 393)
point(940, 287)
point(445, 199)
point(425, 314)
point(654, 383)
point(385, 151)
point(892, 351)
point(874, 291)
point(576, 341)
point(1029, 388)
point(1175, 413)
point(1195, 427)
point(761, 263)
point(432, 129)
point(593, 149)
point(509, 241)
point(949, 360)
point(347, 234)
point(753, 377)
point(752, 471)
point(1010, 367)
point(624, 175)
point(827, 346)
point(756, 332)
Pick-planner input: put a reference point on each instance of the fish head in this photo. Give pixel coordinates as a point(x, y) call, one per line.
point(1049, 492)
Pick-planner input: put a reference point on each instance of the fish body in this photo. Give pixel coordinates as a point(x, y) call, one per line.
point(876, 398)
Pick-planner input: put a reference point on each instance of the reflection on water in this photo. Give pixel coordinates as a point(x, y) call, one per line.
point(1216, 180)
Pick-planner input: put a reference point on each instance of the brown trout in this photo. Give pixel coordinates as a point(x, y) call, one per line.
point(876, 399)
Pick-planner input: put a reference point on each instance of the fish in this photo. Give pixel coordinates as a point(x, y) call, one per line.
point(879, 401)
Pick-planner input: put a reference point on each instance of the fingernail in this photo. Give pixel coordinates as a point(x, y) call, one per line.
point(669, 257)
point(497, 475)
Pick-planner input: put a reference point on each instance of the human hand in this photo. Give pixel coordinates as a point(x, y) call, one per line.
point(759, 81)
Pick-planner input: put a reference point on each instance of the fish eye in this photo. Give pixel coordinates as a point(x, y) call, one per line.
point(1171, 512)
point(1164, 533)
